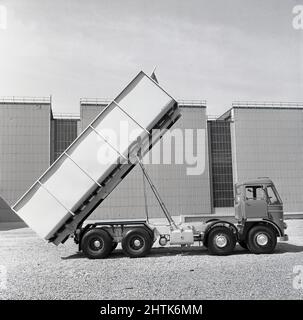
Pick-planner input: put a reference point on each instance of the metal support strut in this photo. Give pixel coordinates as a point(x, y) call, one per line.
point(172, 223)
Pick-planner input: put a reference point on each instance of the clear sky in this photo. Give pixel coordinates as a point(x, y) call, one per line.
point(203, 49)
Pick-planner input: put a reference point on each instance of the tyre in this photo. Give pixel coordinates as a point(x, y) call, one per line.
point(221, 241)
point(243, 244)
point(261, 239)
point(96, 244)
point(137, 243)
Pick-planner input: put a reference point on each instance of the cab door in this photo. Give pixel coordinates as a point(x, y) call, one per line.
point(275, 206)
point(255, 202)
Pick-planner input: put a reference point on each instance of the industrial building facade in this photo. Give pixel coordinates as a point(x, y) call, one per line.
point(250, 140)
point(267, 141)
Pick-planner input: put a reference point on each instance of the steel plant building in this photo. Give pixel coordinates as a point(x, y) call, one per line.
point(252, 139)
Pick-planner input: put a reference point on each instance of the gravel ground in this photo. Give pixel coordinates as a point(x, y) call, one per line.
point(38, 270)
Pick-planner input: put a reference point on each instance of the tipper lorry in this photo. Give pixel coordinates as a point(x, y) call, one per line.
point(59, 202)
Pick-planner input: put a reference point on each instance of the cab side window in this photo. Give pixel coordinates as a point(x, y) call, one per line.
point(272, 198)
point(254, 193)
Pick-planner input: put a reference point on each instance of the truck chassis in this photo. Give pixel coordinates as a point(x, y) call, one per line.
point(258, 235)
point(98, 240)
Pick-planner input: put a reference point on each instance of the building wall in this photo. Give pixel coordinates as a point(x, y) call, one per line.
point(267, 142)
point(24, 147)
point(64, 132)
point(183, 194)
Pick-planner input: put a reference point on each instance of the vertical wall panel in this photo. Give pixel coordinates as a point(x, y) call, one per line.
point(268, 143)
point(24, 147)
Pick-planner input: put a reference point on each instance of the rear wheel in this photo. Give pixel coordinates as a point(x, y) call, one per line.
point(221, 241)
point(261, 239)
point(137, 243)
point(96, 244)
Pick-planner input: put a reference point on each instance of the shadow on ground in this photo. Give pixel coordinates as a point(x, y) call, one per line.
point(192, 251)
point(161, 252)
point(288, 247)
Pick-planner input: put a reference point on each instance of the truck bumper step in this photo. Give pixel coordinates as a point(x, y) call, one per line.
point(284, 238)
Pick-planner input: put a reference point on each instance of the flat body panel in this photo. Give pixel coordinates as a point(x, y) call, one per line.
point(255, 209)
point(92, 157)
point(42, 212)
point(181, 237)
point(144, 102)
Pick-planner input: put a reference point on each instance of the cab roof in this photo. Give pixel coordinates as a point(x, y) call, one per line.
point(261, 180)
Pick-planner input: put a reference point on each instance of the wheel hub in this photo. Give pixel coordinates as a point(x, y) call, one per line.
point(137, 243)
point(262, 239)
point(221, 241)
point(97, 243)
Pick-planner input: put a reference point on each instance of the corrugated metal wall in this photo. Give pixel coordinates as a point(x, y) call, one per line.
point(183, 194)
point(268, 143)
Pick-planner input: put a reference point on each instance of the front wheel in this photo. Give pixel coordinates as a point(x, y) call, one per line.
point(221, 241)
point(261, 239)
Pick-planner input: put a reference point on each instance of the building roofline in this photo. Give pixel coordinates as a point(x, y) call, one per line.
point(66, 116)
point(266, 105)
point(94, 101)
point(270, 108)
point(225, 115)
point(185, 103)
point(25, 100)
point(262, 105)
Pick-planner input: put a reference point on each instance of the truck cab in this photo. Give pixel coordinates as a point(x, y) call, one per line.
point(257, 203)
point(259, 199)
point(259, 220)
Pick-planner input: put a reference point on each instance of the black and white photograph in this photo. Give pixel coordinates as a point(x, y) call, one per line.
point(151, 151)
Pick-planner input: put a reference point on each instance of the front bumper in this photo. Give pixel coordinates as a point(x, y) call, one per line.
point(284, 238)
